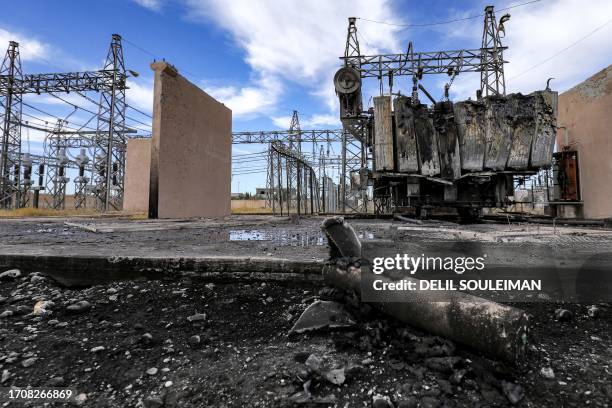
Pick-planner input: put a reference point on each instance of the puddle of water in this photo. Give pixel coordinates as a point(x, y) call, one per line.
point(365, 235)
point(278, 237)
point(283, 237)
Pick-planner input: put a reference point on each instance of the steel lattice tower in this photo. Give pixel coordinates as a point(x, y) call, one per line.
point(55, 149)
point(110, 140)
point(295, 145)
point(10, 148)
point(492, 80)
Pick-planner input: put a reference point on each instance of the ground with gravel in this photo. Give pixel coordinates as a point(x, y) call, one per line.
point(186, 342)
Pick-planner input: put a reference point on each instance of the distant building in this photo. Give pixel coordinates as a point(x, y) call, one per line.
point(261, 192)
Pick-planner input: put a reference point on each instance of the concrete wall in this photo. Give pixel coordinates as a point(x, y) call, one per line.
point(137, 174)
point(191, 149)
point(586, 112)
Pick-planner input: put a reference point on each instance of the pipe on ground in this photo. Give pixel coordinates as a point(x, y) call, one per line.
point(489, 327)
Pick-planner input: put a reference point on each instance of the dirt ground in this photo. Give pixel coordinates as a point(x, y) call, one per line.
point(132, 344)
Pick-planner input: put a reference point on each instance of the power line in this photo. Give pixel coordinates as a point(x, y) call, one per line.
point(139, 111)
point(49, 114)
point(435, 23)
point(564, 49)
point(152, 54)
point(138, 47)
point(98, 105)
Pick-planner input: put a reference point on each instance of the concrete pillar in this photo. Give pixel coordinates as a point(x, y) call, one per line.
point(137, 173)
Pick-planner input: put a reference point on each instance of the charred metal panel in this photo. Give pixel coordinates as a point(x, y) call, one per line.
point(544, 138)
point(448, 143)
point(427, 143)
point(566, 178)
point(471, 128)
point(521, 110)
point(405, 136)
point(383, 134)
point(498, 134)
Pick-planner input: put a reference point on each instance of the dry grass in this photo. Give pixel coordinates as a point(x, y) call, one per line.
point(44, 212)
point(256, 210)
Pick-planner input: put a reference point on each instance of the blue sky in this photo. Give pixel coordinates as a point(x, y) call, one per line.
point(266, 58)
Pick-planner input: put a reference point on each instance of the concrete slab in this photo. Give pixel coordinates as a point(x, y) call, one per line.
point(191, 149)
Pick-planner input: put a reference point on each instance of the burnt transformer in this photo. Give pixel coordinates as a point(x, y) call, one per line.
point(462, 155)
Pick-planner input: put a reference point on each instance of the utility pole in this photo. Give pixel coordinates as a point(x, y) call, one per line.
point(492, 81)
point(10, 148)
point(109, 153)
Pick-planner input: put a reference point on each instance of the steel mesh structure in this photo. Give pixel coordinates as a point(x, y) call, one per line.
point(10, 148)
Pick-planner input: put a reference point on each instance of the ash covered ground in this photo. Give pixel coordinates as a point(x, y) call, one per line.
point(183, 341)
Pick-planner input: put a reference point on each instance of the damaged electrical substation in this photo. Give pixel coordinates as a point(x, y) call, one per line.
point(463, 155)
point(432, 251)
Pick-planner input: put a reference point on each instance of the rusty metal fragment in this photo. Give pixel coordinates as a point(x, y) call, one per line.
point(343, 240)
point(323, 314)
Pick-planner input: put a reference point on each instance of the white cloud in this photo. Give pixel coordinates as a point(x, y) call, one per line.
point(538, 31)
point(153, 5)
point(294, 43)
point(31, 48)
point(140, 95)
point(248, 101)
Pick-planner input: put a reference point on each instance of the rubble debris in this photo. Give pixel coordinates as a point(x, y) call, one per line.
point(153, 402)
point(513, 392)
point(321, 367)
point(28, 362)
point(408, 402)
point(492, 328)
point(381, 401)
point(457, 376)
point(198, 317)
point(547, 373)
point(563, 315)
point(593, 311)
point(442, 364)
point(323, 314)
point(429, 402)
point(10, 274)
point(80, 399)
point(43, 307)
point(81, 306)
